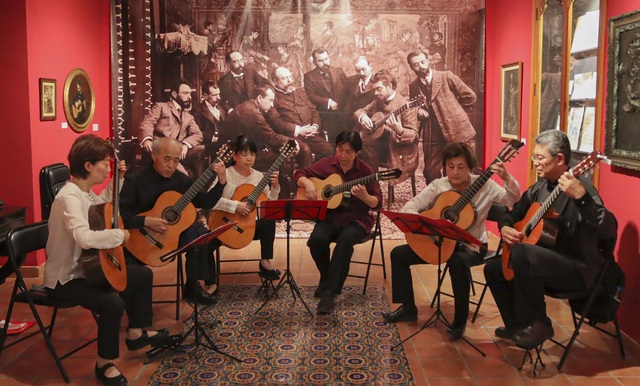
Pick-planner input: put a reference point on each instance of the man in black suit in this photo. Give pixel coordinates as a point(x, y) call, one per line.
point(209, 116)
point(237, 85)
point(325, 87)
point(359, 89)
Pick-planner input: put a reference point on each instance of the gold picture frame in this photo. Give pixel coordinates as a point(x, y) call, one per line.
point(510, 100)
point(79, 100)
point(48, 105)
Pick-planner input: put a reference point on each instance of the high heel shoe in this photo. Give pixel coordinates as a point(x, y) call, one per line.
point(269, 274)
point(117, 380)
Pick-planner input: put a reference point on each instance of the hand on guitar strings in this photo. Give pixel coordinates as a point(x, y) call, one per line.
point(156, 224)
point(500, 169)
point(511, 236)
point(394, 123)
point(243, 208)
point(310, 188)
point(273, 180)
point(571, 186)
point(122, 168)
point(366, 122)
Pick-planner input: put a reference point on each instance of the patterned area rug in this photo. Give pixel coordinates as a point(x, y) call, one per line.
point(403, 193)
point(283, 344)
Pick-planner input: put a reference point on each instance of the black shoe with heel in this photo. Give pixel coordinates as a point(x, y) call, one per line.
point(117, 380)
point(145, 340)
point(269, 274)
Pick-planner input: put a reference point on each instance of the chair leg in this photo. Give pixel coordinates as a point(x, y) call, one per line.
point(618, 335)
point(384, 265)
point(413, 184)
point(475, 313)
point(366, 275)
point(179, 284)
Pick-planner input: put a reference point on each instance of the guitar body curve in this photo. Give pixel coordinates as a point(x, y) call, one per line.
point(150, 252)
point(241, 234)
point(104, 268)
point(323, 188)
point(424, 245)
point(543, 234)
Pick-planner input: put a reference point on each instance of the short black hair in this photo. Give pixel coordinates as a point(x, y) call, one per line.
point(243, 143)
point(175, 86)
point(351, 137)
point(87, 148)
point(385, 77)
point(207, 85)
point(459, 149)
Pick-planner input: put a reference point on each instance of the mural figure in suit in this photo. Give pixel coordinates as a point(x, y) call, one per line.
point(237, 85)
point(359, 89)
point(210, 118)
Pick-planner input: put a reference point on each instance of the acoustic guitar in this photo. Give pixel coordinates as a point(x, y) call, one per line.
point(149, 246)
point(242, 233)
point(379, 119)
point(456, 208)
point(337, 193)
point(538, 225)
point(105, 268)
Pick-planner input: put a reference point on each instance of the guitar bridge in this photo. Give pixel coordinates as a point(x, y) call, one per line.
point(114, 261)
point(235, 227)
point(153, 240)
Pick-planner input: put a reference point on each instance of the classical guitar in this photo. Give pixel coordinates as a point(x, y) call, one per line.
point(456, 208)
point(241, 234)
point(337, 193)
point(149, 246)
point(105, 268)
point(538, 224)
point(379, 119)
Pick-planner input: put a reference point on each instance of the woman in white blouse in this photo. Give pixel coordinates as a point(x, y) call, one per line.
point(69, 233)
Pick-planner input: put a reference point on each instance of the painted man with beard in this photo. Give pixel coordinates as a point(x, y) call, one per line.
point(172, 119)
point(293, 114)
point(443, 120)
point(238, 85)
point(359, 89)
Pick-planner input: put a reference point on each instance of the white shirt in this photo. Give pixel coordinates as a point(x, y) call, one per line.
point(69, 233)
point(491, 192)
point(234, 179)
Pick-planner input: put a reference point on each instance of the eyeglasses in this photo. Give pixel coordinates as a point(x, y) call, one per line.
point(539, 158)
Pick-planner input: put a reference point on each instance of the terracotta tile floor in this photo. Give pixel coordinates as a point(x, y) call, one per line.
point(433, 360)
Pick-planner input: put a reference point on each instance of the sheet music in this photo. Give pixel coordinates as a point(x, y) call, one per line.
point(588, 128)
point(576, 115)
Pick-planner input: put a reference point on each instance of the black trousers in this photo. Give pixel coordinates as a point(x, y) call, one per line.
point(521, 301)
point(200, 261)
point(403, 257)
point(135, 300)
point(334, 268)
point(266, 233)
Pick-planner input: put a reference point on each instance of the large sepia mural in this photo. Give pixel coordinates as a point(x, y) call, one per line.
point(160, 41)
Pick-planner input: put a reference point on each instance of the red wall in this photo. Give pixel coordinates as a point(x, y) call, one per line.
point(61, 35)
point(509, 39)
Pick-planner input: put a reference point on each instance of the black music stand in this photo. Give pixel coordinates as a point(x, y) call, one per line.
point(439, 229)
point(290, 210)
point(196, 329)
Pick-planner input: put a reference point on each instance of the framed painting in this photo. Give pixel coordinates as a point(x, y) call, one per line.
point(78, 99)
point(623, 95)
point(47, 99)
point(510, 100)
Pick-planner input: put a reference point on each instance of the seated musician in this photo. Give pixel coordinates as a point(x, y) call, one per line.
point(574, 261)
point(242, 172)
point(459, 161)
point(70, 233)
point(344, 225)
point(139, 194)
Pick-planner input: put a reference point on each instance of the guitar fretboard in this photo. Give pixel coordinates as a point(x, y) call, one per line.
point(348, 185)
point(255, 193)
point(395, 112)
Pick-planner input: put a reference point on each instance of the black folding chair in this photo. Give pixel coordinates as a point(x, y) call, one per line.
point(374, 235)
point(20, 242)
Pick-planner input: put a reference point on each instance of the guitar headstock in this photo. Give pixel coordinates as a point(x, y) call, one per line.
point(509, 151)
point(587, 163)
point(418, 101)
point(224, 154)
point(389, 174)
point(288, 148)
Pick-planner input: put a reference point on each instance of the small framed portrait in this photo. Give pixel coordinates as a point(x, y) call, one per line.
point(78, 99)
point(48, 99)
point(510, 100)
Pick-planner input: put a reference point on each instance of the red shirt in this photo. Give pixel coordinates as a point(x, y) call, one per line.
point(357, 210)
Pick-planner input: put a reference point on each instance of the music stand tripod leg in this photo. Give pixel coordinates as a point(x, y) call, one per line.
point(287, 278)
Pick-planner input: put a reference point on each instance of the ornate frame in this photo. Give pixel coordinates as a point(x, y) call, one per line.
point(510, 100)
point(622, 141)
point(48, 101)
point(80, 106)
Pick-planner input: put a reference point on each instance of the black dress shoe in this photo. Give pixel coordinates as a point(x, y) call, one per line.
point(327, 303)
point(146, 340)
point(456, 330)
point(200, 295)
point(269, 274)
point(505, 333)
point(533, 335)
point(118, 380)
point(404, 313)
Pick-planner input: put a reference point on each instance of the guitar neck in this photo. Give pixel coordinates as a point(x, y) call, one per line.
point(253, 197)
point(452, 213)
point(395, 112)
point(197, 186)
point(359, 181)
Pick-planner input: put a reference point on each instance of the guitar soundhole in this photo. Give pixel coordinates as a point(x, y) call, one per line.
point(326, 193)
point(171, 215)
